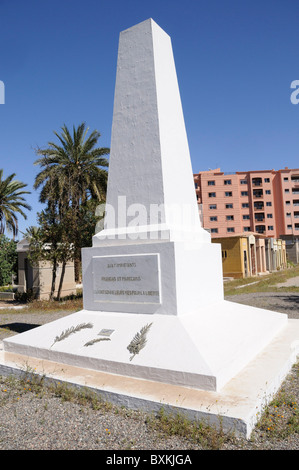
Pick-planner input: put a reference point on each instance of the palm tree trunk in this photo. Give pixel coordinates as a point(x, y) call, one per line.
point(61, 280)
point(54, 269)
point(77, 265)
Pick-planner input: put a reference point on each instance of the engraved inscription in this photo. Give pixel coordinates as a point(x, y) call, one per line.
point(127, 278)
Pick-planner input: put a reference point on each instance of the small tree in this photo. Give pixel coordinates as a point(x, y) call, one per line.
point(8, 260)
point(73, 171)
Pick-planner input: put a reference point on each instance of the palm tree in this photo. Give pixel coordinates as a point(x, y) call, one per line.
point(73, 172)
point(11, 203)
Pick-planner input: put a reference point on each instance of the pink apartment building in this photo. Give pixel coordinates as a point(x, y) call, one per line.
point(264, 202)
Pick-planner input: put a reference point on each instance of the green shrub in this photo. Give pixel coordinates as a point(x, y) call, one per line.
point(8, 260)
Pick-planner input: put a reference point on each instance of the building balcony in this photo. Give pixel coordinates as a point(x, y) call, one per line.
point(295, 178)
point(257, 181)
point(260, 228)
point(259, 217)
point(258, 206)
point(257, 193)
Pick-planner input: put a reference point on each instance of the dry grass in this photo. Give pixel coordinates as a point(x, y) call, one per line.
point(69, 304)
point(266, 283)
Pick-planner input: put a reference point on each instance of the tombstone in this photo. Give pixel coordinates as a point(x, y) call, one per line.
point(154, 307)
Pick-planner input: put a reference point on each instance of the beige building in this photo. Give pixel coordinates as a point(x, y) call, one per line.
point(292, 248)
point(276, 254)
point(251, 255)
point(39, 278)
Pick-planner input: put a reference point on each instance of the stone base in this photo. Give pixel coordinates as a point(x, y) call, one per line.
point(237, 406)
point(202, 351)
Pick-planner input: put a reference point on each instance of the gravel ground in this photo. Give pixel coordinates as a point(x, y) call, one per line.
point(44, 421)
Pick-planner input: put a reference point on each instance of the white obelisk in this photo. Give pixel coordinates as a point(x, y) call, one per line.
point(154, 270)
point(151, 210)
point(150, 165)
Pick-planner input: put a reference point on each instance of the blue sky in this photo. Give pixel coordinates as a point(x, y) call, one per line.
point(235, 61)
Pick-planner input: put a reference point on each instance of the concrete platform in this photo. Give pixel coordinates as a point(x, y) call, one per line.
point(203, 350)
point(237, 406)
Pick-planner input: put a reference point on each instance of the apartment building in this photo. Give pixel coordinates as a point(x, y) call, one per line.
point(263, 202)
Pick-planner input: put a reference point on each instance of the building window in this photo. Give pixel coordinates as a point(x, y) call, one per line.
point(212, 194)
point(227, 181)
point(211, 183)
point(229, 206)
point(228, 193)
point(289, 227)
point(230, 229)
point(269, 216)
point(246, 229)
point(214, 218)
point(288, 214)
point(214, 230)
point(224, 254)
point(213, 206)
point(196, 185)
point(286, 179)
point(288, 203)
point(246, 217)
point(244, 193)
point(267, 180)
point(245, 205)
point(270, 227)
point(286, 190)
point(268, 191)
point(268, 203)
point(243, 181)
point(229, 217)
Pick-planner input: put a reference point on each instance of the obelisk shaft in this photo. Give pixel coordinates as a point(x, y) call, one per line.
point(150, 163)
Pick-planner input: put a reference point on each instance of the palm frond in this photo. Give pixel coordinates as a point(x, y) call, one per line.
point(96, 340)
point(12, 202)
point(139, 341)
point(69, 331)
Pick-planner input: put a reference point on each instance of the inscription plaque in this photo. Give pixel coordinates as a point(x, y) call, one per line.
point(106, 332)
point(127, 278)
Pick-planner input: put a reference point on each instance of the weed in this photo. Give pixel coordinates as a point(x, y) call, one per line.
point(198, 432)
point(280, 418)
